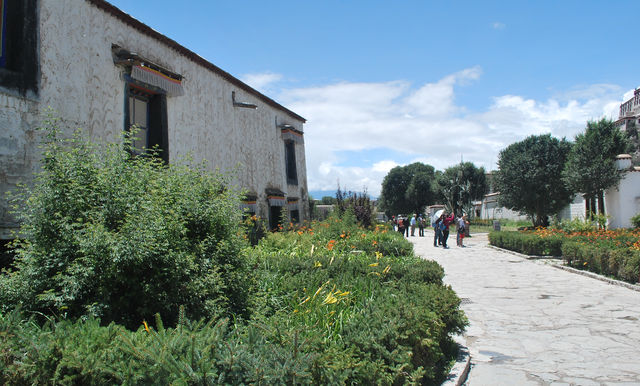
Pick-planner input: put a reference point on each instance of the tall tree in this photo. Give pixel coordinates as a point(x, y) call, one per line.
point(529, 177)
point(591, 167)
point(407, 189)
point(461, 184)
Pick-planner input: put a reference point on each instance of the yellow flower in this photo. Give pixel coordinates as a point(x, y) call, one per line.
point(317, 264)
point(146, 326)
point(386, 270)
point(330, 299)
point(305, 300)
point(373, 265)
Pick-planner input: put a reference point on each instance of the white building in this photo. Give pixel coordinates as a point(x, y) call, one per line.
point(102, 70)
point(623, 202)
point(629, 120)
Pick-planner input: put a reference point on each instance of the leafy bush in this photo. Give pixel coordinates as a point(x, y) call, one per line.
point(123, 238)
point(621, 263)
point(359, 204)
point(577, 225)
point(86, 353)
point(366, 316)
point(611, 253)
point(322, 313)
point(527, 243)
point(635, 220)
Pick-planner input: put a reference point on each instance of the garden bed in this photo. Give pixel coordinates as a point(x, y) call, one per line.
point(610, 253)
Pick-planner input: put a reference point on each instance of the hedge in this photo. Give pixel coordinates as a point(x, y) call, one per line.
point(527, 243)
point(604, 258)
point(619, 263)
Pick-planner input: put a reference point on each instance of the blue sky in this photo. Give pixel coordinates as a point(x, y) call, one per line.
point(386, 83)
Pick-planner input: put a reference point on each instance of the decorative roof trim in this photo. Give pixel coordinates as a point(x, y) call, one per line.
point(145, 29)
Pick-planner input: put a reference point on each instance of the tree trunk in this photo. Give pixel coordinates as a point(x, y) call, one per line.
point(601, 202)
point(587, 208)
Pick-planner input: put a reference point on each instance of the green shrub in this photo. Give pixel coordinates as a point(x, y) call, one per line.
point(527, 243)
point(322, 313)
point(366, 316)
point(359, 204)
point(123, 238)
point(635, 221)
point(621, 263)
point(86, 353)
point(577, 225)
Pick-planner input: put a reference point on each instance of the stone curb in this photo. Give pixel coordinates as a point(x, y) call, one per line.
point(592, 275)
point(460, 370)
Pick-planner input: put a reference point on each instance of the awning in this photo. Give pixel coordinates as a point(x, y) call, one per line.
point(276, 200)
point(292, 203)
point(249, 203)
point(291, 134)
point(146, 74)
point(249, 206)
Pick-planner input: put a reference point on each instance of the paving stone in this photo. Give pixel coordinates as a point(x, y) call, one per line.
point(533, 324)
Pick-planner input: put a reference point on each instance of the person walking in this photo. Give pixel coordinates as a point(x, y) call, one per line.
point(446, 221)
point(413, 226)
point(406, 226)
point(437, 232)
point(461, 227)
point(401, 225)
point(421, 223)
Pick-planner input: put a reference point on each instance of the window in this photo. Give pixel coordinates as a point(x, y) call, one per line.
point(275, 212)
point(290, 160)
point(295, 216)
point(146, 108)
point(18, 45)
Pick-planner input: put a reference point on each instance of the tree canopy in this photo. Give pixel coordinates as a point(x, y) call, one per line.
point(461, 184)
point(408, 189)
point(529, 178)
point(591, 167)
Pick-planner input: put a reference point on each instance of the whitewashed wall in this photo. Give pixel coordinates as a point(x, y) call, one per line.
point(624, 202)
point(80, 82)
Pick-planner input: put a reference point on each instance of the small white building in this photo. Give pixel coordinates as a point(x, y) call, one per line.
point(623, 202)
point(102, 70)
point(491, 210)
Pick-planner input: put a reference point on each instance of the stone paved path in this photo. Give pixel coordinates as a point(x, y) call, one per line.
point(532, 324)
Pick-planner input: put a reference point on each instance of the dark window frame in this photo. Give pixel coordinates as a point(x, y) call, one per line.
point(295, 216)
point(19, 63)
point(157, 123)
point(290, 162)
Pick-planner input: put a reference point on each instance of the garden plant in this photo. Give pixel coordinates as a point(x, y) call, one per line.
point(613, 253)
point(131, 271)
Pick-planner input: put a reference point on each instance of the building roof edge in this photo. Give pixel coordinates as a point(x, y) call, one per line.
point(145, 29)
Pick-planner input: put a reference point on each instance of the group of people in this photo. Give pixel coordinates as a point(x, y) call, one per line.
point(441, 229)
point(404, 224)
point(440, 225)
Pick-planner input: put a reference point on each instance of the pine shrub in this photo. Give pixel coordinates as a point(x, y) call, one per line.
point(123, 237)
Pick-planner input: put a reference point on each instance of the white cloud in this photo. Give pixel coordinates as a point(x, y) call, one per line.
point(498, 25)
point(425, 124)
point(384, 166)
point(262, 81)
